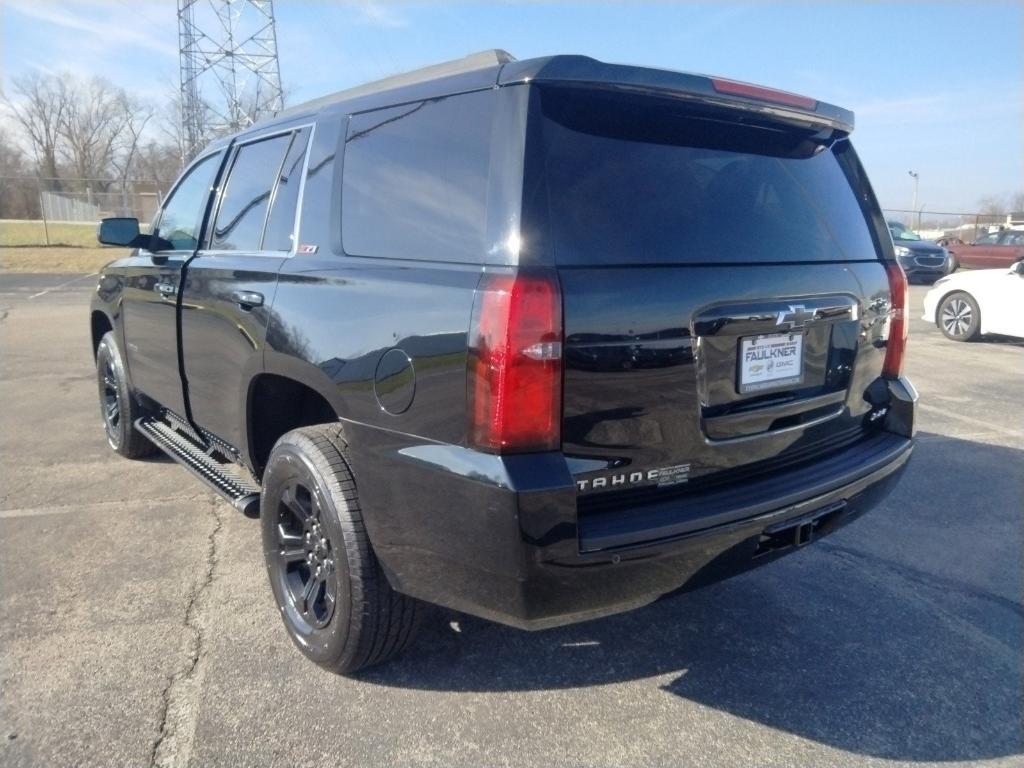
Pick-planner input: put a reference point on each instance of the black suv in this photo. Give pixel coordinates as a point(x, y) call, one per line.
point(535, 340)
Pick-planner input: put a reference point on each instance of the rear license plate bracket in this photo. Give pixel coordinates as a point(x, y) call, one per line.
point(770, 361)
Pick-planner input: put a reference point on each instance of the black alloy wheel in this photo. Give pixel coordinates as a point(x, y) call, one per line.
point(118, 408)
point(332, 594)
point(109, 397)
point(306, 556)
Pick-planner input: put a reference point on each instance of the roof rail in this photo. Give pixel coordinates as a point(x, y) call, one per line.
point(481, 60)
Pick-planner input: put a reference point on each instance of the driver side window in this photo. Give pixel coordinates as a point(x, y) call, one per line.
point(182, 214)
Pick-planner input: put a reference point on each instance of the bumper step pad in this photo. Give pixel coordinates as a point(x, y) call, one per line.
point(208, 459)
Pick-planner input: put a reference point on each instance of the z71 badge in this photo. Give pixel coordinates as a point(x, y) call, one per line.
point(661, 477)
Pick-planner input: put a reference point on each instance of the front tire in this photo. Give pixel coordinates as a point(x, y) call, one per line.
point(959, 317)
point(118, 407)
point(334, 598)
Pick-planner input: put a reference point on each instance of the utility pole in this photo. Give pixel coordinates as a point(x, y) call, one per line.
point(913, 208)
point(230, 74)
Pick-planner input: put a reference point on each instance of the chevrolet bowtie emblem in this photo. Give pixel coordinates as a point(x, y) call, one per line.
point(796, 316)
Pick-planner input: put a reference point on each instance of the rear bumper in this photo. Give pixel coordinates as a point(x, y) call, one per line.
point(499, 537)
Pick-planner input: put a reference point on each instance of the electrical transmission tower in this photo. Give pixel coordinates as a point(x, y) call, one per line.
point(230, 76)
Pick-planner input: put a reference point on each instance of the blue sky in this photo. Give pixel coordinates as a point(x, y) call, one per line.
point(936, 87)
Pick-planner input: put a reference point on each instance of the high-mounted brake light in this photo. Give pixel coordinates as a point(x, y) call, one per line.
point(896, 344)
point(515, 363)
point(736, 88)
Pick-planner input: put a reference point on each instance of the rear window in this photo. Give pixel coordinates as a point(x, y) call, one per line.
point(642, 181)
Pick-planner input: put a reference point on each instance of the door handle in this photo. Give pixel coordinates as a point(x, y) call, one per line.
point(166, 290)
point(247, 299)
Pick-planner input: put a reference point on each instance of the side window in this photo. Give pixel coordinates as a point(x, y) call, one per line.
point(246, 197)
point(182, 214)
point(414, 180)
point(281, 222)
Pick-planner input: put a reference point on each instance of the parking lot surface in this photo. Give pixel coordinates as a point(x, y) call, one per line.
point(137, 625)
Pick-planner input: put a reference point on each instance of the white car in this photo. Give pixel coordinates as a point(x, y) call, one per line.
point(967, 304)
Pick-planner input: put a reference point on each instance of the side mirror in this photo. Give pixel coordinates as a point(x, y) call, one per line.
point(120, 231)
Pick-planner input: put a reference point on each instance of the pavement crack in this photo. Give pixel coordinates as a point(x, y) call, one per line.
point(938, 585)
point(180, 696)
point(924, 578)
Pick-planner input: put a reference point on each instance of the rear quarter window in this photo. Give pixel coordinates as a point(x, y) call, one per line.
point(646, 182)
point(414, 180)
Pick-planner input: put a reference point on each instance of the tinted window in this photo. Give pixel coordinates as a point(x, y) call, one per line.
point(246, 196)
point(281, 223)
point(415, 180)
point(639, 181)
point(182, 214)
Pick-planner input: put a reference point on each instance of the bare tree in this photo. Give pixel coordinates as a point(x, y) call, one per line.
point(159, 161)
point(991, 205)
point(40, 108)
point(135, 116)
point(92, 126)
point(1017, 202)
point(18, 195)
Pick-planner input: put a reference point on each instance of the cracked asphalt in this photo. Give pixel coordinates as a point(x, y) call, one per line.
point(137, 628)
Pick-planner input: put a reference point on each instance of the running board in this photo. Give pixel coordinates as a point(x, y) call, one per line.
point(210, 463)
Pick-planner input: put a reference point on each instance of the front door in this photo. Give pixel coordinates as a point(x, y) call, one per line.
point(1001, 308)
point(230, 286)
point(152, 282)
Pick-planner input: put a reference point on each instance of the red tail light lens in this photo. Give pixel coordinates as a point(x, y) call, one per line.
point(896, 345)
point(515, 364)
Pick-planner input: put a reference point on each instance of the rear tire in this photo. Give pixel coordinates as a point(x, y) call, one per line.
point(959, 317)
point(118, 406)
point(334, 598)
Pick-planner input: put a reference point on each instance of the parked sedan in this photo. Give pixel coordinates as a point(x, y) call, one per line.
point(968, 304)
point(920, 259)
point(996, 249)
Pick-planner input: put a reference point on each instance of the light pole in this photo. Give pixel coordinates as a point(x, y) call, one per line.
point(916, 178)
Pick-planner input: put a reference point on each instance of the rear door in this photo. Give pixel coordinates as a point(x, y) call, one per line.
point(152, 282)
point(723, 291)
point(230, 286)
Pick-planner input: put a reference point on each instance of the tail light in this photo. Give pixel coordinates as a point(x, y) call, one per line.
point(750, 91)
point(515, 363)
point(898, 322)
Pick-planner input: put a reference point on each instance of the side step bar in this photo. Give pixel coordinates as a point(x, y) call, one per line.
point(210, 463)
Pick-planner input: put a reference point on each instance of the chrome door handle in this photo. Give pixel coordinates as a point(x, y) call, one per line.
point(247, 299)
point(166, 290)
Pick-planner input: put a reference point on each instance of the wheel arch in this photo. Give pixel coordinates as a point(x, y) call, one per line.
point(277, 404)
point(100, 324)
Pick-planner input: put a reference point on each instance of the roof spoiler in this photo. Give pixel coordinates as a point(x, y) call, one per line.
point(769, 103)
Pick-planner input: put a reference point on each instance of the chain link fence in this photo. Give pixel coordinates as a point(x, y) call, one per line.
point(947, 226)
point(37, 211)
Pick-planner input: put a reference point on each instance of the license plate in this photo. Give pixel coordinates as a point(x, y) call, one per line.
point(770, 361)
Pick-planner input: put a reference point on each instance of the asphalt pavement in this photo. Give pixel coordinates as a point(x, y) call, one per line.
point(137, 626)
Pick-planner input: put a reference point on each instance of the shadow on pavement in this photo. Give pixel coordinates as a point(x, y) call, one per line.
point(865, 642)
